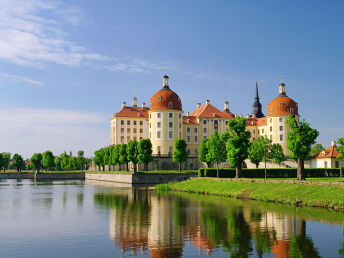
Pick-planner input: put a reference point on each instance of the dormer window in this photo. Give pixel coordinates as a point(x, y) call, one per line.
point(170, 104)
point(160, 98)
point(281, 104)
point(291, 110)
point(323, 153)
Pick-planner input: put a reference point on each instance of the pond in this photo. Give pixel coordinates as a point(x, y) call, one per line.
point(93, 219)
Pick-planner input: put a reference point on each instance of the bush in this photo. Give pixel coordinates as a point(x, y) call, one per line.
point(270, 172)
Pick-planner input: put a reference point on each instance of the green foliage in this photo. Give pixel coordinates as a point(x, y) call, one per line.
point(132, 152)
point(203, 151)
point(36, 161)
point(276, 153)
point(256, 151)
point(115, 155)
point(82, 161)
point(6, 157)
point(145, 152)
point(58, 163)
point(123, 156)
point(99, 158)
point(340, 148)
point(1, 161)
point(48, 160)
point(179, 153)
point(65, 165)
point(238, 143)
point(18, 162)
point(317, 148)
point(216, 150)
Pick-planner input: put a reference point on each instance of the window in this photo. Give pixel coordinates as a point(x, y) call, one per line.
point(134, 130)
point(180, 116)
point(204, 122)
point(170, 115)
point(281, 128)
point(134, 138)
point(281, 104)
point(291, 110)
point(170, 104)
point(122, 138)
point(128, 130)
point(270, 128)
point(159, 98)
point(196, 151)
point(128, 122)
point(170, 124)
point(188, 129)
point(150, 116)
point(128, 139)
point(158, 115)
point(270, 137)
point(180, 125)
point(122, 130)
point(158, 124)
point(336, 164)
point(188, 138)
point(170, 134)
point(195, 130)
point(281, 119)
point(216, 122)
point(180, 135)
point(271, 118)
point(281, 137)
point(141, 130)
point(195, 139)
point(254, 131)
point(159, 149)
point(325, 164)
point(134, 122)
point(258, 131)
point(158, 134)
point(150, 125)
point(141, 122)
point(122, 122)
point(262, 131)
point(204, 130)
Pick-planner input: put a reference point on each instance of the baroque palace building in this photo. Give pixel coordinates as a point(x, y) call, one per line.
point(164, 121)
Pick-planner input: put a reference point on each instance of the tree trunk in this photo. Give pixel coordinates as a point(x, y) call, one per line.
point(257, 165)
point(238, 171)
point(126, 166)
point(300, 170)
point(217, 169)
point(265, 168)
point(135, 168)
point(180, 167)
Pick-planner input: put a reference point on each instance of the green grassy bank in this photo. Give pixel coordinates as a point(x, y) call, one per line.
point(270, 191)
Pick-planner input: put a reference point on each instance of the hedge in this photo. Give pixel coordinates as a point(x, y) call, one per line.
point(270, 172)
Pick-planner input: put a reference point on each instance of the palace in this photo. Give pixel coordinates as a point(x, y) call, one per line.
point(164, 121)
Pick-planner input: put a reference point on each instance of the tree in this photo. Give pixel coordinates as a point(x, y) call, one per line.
point(123, 156)
point(48, 160)
point(1, 161)
point(115, 156)
point(217, 150)
point(6, 157)
point(107, 156)
point(256, 152)
point(277, 154)
point(340, 149)
point(81, 160)
point(179, 153)
point(36, 161)
point(99, 158)
point(299, 142)
point(145, 151)
point(238, 143)
point(64, 161)
point(203, 151)
point(317, 148)
point(18, 162)
point(57, 163)
point(132, 152)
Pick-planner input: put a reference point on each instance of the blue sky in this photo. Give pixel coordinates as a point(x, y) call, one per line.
point(66, 66)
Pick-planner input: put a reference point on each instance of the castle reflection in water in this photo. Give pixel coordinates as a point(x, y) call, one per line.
point(143, 222)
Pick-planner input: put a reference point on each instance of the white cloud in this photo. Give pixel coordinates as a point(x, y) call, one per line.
point(20, 78)
point(28, 38)
point(26, 131)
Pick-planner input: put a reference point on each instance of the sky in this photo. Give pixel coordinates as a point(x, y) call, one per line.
point(66, 66)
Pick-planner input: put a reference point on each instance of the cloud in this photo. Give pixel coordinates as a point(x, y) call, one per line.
point(21, 78)
point(28, 38)
point(26, 131)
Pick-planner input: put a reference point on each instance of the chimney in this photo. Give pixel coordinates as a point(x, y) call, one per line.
point(207, 102)
point(198, 105)
point(333, 143)
point(188, 114)
point(143, 104)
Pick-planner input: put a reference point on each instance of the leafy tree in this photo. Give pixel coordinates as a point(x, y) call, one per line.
point(144, 148)
point(277, 153)
point(203, 151)
point(81, 160)
point(36, 161)
point(300, 139)
point(57, 163)
point(48, 160)
point(1, 161)
point(238, 143)
point(6, 157)
point(256, 152)
point(65, 165)
point(132, 152)
point(115, 156)
point(123, 156)
point(107, 156)
point(317, 148)
point(225, 136)
point(99, 158)
point(217, 150)
point(340, 149)
point(179, 153)
point(18, 162)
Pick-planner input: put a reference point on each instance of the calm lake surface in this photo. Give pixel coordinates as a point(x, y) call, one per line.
point(94, 219)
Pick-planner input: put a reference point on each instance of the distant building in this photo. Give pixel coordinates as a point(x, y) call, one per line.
point(327, 158)
point(164, 121)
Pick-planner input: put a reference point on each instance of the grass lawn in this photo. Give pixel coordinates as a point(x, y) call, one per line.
point(317, 179)
point(287, 193)
point(150, 172)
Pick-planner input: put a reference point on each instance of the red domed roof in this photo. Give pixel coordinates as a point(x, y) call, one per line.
point(165, 99)
point(282, 105)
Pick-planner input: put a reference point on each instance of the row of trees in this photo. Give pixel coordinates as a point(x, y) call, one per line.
point(122, 154)
point(234, 146)
point(64, 162)
point(5, 158)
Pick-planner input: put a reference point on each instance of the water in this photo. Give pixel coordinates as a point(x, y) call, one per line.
point(90, 219)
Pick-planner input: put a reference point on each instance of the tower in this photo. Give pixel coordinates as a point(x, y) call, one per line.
point(257, 107)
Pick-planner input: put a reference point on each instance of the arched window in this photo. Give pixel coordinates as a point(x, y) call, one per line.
point(159, 98)
point(170, 104)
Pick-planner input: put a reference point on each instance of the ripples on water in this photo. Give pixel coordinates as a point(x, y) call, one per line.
point(74, 219)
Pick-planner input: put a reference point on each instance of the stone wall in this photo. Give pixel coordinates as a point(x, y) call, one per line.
point(43, 176)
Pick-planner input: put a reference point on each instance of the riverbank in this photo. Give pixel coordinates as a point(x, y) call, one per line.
point(286, 192)
point(50, 175)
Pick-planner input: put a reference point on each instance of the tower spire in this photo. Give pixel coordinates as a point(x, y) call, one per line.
point(257, 107)
point(165, 82)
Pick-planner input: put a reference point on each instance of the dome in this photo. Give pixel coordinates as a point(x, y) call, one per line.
point(165, 99)
point(282, 105)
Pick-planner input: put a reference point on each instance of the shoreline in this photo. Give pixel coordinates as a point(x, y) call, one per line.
point(328, 195)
